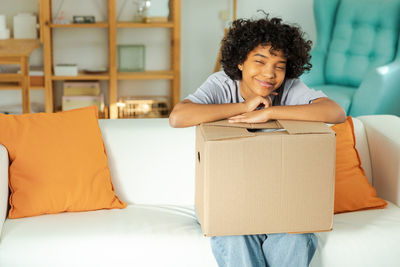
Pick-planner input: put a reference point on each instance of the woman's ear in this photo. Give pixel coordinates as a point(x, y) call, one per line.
point(240, 66)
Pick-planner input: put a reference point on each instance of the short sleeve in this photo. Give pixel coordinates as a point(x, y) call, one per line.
point(297, 93)
point(215, 90)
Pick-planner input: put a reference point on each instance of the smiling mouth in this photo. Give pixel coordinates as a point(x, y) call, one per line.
point(265, 84)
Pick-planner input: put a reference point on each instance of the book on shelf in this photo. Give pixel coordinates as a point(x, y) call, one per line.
point(81, 88)
point(79, 94)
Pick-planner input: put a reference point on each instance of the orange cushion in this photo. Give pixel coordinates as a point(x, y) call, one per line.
point(58, 163)
point(352, 188)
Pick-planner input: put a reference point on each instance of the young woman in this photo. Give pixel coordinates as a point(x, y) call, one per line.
point(262, 61)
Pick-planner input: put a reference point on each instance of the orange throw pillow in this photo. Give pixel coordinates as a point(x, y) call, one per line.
point(58, 163)
point(352, 188)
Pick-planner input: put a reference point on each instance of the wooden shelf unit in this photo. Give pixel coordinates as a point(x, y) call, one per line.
point(17, 51)
point(173, 74)
point(13, 86)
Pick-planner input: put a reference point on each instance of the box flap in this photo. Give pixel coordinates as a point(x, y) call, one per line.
point(265, 125)
point(305, 127)
point(213, 133)
point(291, 126)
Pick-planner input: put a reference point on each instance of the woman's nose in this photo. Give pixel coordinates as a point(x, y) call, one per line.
point(268, 72)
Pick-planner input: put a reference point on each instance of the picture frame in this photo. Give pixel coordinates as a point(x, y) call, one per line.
point(131, 58)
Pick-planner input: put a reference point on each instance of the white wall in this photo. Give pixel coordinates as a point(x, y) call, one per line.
point(202, 30)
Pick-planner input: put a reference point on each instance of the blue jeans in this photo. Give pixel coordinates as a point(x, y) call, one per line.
point(272, 250)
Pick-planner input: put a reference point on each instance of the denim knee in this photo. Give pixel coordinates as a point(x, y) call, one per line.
point(312, 241)
point(240, 250)
point(308, 240)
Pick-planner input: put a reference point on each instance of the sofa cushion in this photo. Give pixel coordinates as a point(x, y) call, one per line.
point(362, 148)
point(57, 163)
point(139, 235)
point(352, 189)
point(342, 95)
point(146, 235)
point(367, 238)
point(150, 162)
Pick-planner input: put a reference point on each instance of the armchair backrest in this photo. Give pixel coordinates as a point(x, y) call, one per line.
point(357, 36)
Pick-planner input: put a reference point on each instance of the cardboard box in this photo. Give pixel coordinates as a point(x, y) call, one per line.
point(277, 181)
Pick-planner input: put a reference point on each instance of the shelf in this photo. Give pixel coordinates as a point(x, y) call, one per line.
point(147, 75)
point(111, 26)
point(11, 77)
point(99, 24)
point(9, 86)
point(12, 86)
point(82, 76)
point(145, 25)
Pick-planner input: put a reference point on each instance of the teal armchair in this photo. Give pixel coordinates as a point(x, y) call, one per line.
point(356, 59)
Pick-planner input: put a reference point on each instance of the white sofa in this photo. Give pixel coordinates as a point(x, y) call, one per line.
point(152, 167)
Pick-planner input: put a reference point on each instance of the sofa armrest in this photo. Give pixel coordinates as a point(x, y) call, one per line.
point(379, 92)
point(3, 185)
point(383, 134)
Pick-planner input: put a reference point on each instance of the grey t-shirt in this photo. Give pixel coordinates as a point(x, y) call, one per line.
point(220, 89)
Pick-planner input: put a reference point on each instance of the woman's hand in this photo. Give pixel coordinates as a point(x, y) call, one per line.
point(258, 101)
point(322, 109)
point(256, 116)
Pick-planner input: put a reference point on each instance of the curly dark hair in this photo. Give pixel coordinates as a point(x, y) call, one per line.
point(245, 34)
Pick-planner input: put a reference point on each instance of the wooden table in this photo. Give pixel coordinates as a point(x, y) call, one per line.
point(17, 51)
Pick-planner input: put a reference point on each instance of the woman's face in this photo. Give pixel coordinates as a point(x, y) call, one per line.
point(263, 71)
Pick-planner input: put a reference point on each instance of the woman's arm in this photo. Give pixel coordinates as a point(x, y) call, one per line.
point(187, 113)
point(322, 109)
